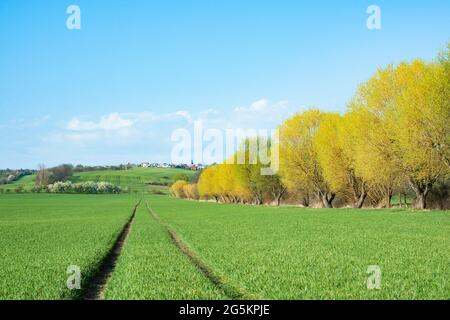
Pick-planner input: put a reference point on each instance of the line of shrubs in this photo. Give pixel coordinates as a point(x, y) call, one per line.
point(9, 176)
point(88, 187)
point(185, 190)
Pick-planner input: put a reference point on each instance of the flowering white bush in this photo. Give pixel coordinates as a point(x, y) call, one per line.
point(88, 187)
point(61, 187)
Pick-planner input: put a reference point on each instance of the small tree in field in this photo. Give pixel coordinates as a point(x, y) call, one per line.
point(177, 189)
point(191, 191)
point(42, 177)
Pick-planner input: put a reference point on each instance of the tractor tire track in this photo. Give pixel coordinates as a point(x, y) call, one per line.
point(231, 290)
point(97, 285)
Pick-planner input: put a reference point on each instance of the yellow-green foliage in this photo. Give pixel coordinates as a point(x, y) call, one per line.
point(422, 121)
point(177, 189)
point(191, 191)
point(299, 163)
point(394, 136)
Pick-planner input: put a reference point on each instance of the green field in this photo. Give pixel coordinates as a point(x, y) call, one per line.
point(41, 235)
point(261, 252)
point(292, 253)
point(133, 179)
point(127, 177)
point(151, 267)
point(26, 182)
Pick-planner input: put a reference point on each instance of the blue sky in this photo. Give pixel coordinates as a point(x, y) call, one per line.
point(114, 91)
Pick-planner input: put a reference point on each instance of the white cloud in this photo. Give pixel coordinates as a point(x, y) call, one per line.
point(263, 106)
point(121, 128)
point(112, 121)
point(118, 121)
point(258, 105)
point(261, 113)
point(132, 128)
point(76, 125)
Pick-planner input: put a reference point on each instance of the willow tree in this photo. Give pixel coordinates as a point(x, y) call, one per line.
point(422, 125)
point(444, 61)
point(299, 164)
point(249, 167)
point(207, 183)
point(232, 188)
point(335, 149)
point(375, 158)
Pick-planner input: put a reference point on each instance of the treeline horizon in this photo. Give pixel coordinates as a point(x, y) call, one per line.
point(394, 138)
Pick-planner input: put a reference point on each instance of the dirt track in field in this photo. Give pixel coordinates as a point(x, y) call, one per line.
point(97, 285)
point(233, 291)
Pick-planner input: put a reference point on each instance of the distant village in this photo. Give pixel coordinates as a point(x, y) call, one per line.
point(192, 166)
point(10, 175)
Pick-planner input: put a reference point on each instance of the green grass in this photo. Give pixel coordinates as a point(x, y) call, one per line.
point(151, 267)
point(264, 252)
point(133, 179)
point(42, 234)
point(26, 182)
point(125, 177)
point(293, 253)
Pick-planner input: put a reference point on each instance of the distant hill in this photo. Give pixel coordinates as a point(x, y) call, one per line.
point(135, 178)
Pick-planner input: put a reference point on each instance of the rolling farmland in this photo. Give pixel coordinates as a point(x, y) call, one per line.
point(41, 235)
point(151, 267)
point(292, 253)
point(220, 251)
point(131, 176)
point(133, 179)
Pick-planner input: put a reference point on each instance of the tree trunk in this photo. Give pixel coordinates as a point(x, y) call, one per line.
point(421, 189)
point(421, 203)
point(386, 202)
point(421, 199)
point(279, 200)
point(358, 187)
point(362, 196)
point(259, 198)
point(305, 200)
point(327, 200)
point(279, 195)
point(359, 204)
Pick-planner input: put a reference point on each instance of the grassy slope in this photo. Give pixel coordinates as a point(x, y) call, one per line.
point(42, 234)
point(142, 174)
point(134, 178)
point(276, 253)
point(151, 267)
point(26, 182)
point(290, 253)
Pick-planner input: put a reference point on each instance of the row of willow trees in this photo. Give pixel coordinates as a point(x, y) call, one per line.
point(394, 138)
